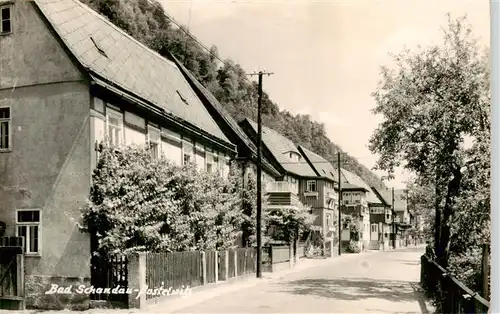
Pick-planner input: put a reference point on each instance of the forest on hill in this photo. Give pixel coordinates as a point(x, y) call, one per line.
point(146, 21)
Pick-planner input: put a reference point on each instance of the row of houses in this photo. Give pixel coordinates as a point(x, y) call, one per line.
point(69, 79)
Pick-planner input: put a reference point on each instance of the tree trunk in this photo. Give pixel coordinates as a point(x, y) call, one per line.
point(452, 192)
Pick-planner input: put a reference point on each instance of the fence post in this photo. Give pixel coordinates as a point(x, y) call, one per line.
point(485, 272)
point(216, 266)
point(245, 263)
point(235, 256)
point(290, 254)
point(226, 261)
point(20, 279)
point(204, 267)
point(136, 277)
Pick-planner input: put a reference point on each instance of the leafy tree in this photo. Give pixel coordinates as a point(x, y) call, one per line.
point(249, 209)
point(432, 102)
point(420, 200)
point(289, 223)
point(140, 203)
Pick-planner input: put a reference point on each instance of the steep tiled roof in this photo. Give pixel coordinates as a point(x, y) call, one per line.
point(108, 52)
point(280, 146)
point(352, 178)
point(382, 196)
point(320, 164)
point(400, 200)
point(223, 114)
point(348, 186)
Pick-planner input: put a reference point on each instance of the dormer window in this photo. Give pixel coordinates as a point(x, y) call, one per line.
point(101, 51)
point(182, 98)
point(5, 19)
point(294, 156)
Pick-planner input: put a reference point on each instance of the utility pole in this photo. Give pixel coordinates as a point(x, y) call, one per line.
point(340, 204)
point(259, 174)
point(393, 224)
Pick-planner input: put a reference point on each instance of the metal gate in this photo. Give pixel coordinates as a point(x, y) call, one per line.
point(110, 271)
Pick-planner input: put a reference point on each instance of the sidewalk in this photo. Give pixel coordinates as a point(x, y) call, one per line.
point(204, 293)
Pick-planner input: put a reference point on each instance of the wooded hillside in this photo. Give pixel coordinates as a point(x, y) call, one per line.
point(146, 21)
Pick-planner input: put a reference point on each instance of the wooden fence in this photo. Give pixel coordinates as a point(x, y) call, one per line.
point(452, 295)
point(177, 270)
point(212, 266)
point(222, 267)
point(246, 261)
point(11, 273)
point(185, 270)
point(280, 254)
point(231, 264)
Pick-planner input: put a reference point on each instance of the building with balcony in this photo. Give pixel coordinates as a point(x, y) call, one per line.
point(403, 215)
point(301, 182)
point(325, 204)
point(381, 220)
point(357, 198)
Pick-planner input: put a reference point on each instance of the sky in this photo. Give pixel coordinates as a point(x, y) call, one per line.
point(325, 55)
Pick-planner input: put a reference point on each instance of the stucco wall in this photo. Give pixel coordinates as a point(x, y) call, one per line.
point(31, 55)
point(50, 161)
point(50, 157)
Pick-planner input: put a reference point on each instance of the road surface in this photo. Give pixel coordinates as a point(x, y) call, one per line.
point(381, 282)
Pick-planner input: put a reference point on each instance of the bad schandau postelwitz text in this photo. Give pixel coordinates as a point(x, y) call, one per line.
point(83, 289)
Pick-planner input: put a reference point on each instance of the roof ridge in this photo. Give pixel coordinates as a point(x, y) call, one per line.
point(137, 42)
point(276, 132)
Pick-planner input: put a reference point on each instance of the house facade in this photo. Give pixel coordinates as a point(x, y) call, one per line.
point(356, 193)
point(381, 216)
point(403, 216)
point(246, 149)
point(299, 183)
point(325, 205)
point(354, 204)
point(67, 82)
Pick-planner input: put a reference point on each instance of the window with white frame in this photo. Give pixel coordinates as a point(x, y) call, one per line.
point(187, 151)
point(5, 19)
point(114, 121)
point(209, 160)
point(311, 186)
point(199, 156)
point(5, 128)
point(374, 228)
point(154, 139)
point(171, 146)
point(227, 166)
point(220, 165)
point(28, 223)
point(216, 161)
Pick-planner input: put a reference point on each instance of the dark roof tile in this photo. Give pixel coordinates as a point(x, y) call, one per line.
point(354, 179)
point(320, 164)
point(280, 146)
point(223, 113)
point(75, 23)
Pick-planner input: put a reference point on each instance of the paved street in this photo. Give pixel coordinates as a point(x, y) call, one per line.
point(381, 282)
